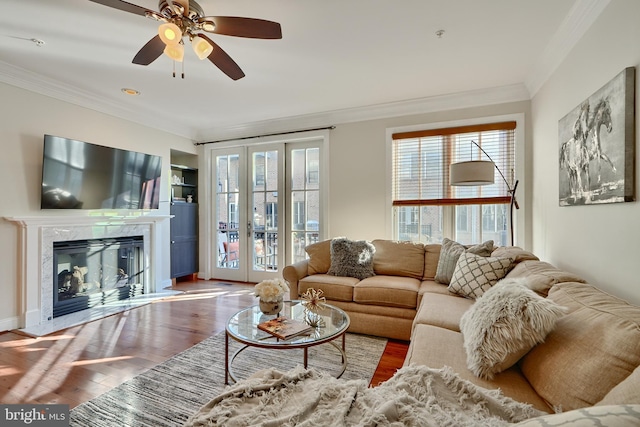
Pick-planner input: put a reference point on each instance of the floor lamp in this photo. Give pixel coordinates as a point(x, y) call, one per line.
point(480, 172)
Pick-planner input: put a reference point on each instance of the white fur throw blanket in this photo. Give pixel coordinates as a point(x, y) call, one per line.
point(414, 396)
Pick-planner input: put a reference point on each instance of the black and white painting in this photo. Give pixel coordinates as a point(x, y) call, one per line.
point(597, 146)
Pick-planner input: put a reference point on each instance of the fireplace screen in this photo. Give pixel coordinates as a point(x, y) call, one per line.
point(89, 273)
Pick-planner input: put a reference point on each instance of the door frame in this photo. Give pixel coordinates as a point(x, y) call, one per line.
point(208, 247)
point(234, 274)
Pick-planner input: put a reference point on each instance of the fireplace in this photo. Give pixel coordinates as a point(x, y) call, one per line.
point(95, 272)
point(38, 278)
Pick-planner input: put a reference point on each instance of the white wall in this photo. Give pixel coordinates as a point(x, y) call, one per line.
point(24, 119)
point(358, 170)
point(598, 242)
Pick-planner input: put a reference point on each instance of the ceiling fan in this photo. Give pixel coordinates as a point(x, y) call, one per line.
point(185, 19)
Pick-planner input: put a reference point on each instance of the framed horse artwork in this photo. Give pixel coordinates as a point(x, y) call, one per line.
point(597, 146)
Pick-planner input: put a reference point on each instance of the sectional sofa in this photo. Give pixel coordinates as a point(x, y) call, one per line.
point(589, 355)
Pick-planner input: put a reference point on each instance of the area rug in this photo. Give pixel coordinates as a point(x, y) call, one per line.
point(166, 395)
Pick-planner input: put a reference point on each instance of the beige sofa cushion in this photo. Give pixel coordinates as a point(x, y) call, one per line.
point(518, 254)
point(337, 288)
point(398, 258)
point(438, 347)
point(431, 257)
point(390, 291)
point(442, 310)
point(319, 257)
point(431, 286)
point(628, 391)
point(542, 275)
point(592, 349)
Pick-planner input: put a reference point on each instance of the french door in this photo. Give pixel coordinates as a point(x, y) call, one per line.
point(248, 187)
point(266, 207)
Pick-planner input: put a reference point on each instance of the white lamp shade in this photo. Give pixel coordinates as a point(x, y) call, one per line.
point(170, 34)
point(475, 172)
point(201, 47)
point(175, 52)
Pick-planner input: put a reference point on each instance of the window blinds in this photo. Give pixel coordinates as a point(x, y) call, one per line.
point(421, 161)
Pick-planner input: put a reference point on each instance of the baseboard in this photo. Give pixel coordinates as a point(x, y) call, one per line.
point(164, 284)
point(9, 323)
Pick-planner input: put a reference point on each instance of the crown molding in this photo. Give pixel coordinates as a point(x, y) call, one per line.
point(456, 101)
point(33, 82)
point(579, 19)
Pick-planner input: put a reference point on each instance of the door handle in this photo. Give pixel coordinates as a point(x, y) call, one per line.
point(248, 228)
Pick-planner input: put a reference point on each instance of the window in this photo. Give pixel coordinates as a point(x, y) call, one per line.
point(272, 215)
point(313, 171)
point(298, 215)
point(259, 166)
point(462, 218)
point(427, 208)
point(234, 218)
point(305, 198)
point(488, 218)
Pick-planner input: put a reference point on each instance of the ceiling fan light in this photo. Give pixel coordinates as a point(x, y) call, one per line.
point(170, 34)
point(201, 47)
point(175, 52)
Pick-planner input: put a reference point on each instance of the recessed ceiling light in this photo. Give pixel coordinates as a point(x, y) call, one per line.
point(130, 91)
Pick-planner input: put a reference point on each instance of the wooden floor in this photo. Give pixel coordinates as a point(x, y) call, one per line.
point(80, 363)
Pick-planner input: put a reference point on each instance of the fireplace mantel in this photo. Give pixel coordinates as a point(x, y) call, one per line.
point(26, 221)
point(36, 237)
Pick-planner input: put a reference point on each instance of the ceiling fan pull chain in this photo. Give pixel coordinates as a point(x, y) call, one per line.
point(174, 69)
point(183, 70)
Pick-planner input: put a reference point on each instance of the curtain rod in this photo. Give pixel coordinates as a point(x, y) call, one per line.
point(269, 134)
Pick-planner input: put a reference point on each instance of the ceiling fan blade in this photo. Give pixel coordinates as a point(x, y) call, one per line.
point(123, 5)
point(244, 27)
point(149, 52)
point(222, 60)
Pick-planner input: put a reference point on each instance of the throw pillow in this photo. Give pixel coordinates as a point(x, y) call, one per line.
point(396, 258)
point(504, 324)
point(474, 275)
point(319, 257)
point(351, 258)
point(449, 254)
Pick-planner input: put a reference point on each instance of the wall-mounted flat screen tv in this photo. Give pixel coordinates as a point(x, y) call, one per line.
point(80, 175)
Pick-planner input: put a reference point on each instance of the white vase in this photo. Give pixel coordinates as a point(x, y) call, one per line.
point(271, 307)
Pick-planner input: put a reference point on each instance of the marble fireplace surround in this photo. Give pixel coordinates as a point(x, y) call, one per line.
point(36, 238)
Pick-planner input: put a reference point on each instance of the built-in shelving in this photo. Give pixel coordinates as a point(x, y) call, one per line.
point(184, 221)
point(184, 183)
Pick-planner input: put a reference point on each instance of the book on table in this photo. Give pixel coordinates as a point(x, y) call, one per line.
point(284, 327)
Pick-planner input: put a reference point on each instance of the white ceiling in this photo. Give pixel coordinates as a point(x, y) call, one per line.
point(335, 55)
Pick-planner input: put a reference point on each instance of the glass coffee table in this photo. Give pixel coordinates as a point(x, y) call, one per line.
point(243, 327)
